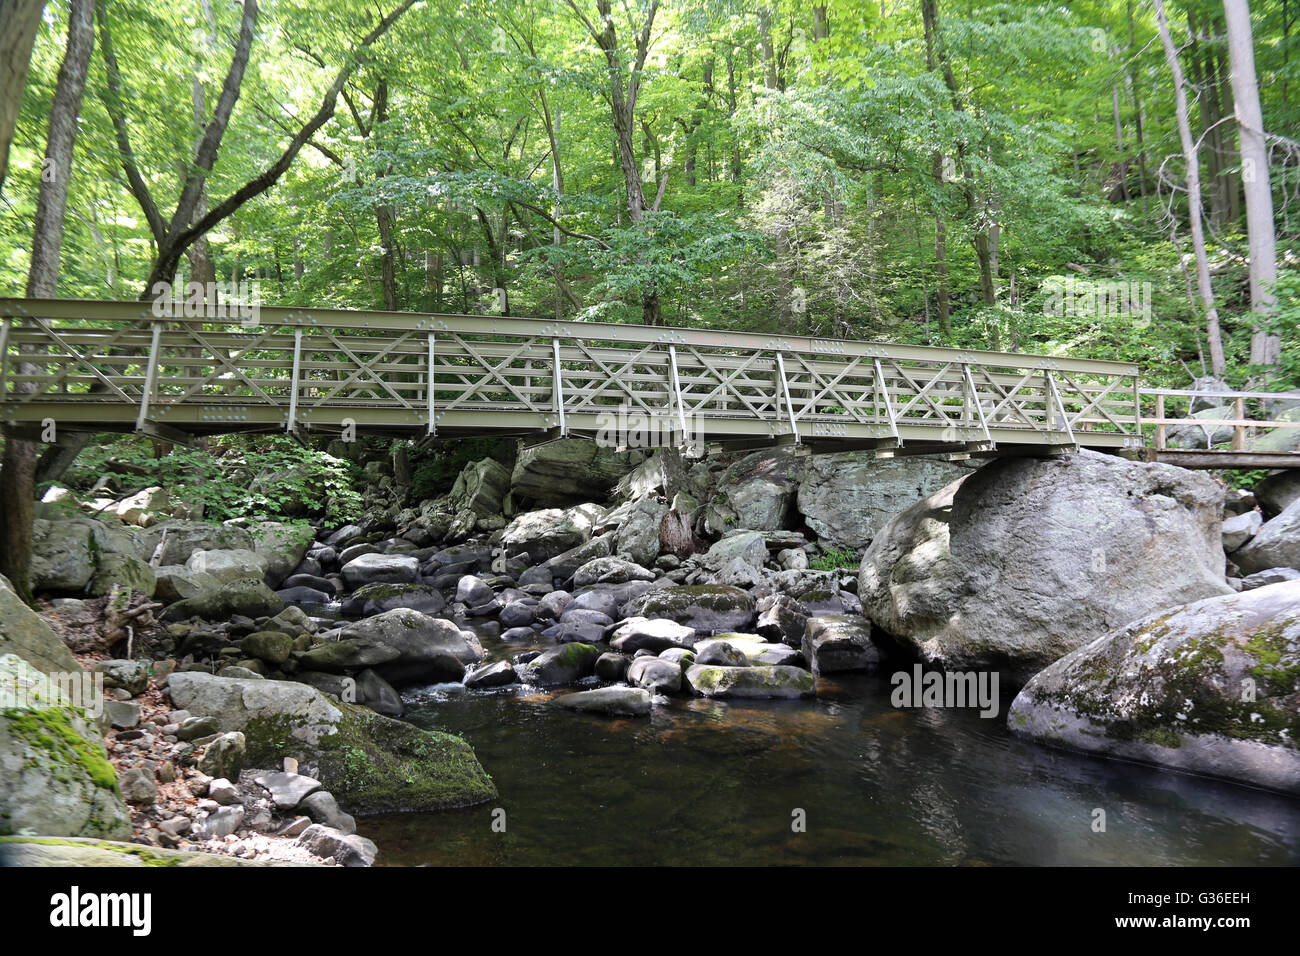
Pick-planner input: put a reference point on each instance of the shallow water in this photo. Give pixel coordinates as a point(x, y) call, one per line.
point(715, 782)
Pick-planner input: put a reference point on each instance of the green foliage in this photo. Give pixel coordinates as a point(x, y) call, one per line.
point(836, 559)
point(269, 477)
point(434, 470)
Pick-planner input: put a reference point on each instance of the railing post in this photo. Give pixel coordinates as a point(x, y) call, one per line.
point(293, 384)
point(4, 354)
point(151, 373)
point(1160, 423)
point(677, 392)
point(883, 388)
point(1239, 430)
point(428, 388)
point(559, 386)
point(789, 404)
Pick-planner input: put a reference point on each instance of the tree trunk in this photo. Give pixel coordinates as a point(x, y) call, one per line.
point(17, 477)
point(1194, 208)
point(21, 19)
point(1255, 174)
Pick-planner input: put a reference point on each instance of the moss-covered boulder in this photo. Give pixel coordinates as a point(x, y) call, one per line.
point(69, 851)
point(55, 778)
point(562, 665)
point(777, 681)
point(1211, 687)
point(246, 596)
point(183, 538)
point(125, 569)
point(370, 763)
point(705, 607)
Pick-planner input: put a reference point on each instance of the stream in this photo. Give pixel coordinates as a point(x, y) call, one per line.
point(707, 782)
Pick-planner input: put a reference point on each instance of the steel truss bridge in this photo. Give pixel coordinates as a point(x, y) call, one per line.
point(118, 366)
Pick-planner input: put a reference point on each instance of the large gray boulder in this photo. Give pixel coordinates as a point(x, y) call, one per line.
point(369, 762)
point(247, 596)
point(1211, 687)
point(55, 778)
point(429, 649)
point(183, 538)
point(549, 533)
point(1275, 545)
point(24, 633)
point(480, 488)
point(381, 569)
point(567, 471)
point(705, 607)
point(1027, 559)
point(62, 556)
point(839, 642)
point(281, 546)
point(757, 492)
point(1278, 490)
point(847, 498)
point(638, 535)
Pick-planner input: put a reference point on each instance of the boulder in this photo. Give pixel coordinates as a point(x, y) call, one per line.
point(226, 755)
point(1276, 492)
point(641, 633)
point(564, 565)
point(781, 618)
point(62, 559)
point(55, 778)
point(1212, 687)
point(609, 701)
point(638, 535)
point(847, 498)
point(655, 674)
point(125, 569)
point(1275, 545)
point(175, 582)
point(839, 643)
point(567, 471)
point(281, 546)
point(182, 538)
point(1239, 529)
point(369, 762)
point(547, 534)
point(562, 665)
point(345, 849)
point(1027, 559)
point(480, 488)
point(377, 598)
point(427, 649)
point(702, 607)
point(497, 674)
point(610, 571)
point(758, 492)
point(757, 682)
point(381, 569)
point(227, 566)
point(25, 634)
point(246, 596)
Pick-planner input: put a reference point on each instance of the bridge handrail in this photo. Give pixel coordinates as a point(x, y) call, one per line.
point(300, 317)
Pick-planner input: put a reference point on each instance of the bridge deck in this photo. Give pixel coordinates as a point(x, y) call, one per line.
point(116, 366)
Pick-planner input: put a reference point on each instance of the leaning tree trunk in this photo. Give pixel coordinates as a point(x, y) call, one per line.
point(17, 484)
point(1194, 206)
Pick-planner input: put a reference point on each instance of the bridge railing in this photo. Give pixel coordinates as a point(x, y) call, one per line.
point(117, 365)
point(1243, 424)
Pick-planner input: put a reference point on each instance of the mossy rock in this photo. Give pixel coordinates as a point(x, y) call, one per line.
point(55, 777)
point(370, 763)
point(1211, 687)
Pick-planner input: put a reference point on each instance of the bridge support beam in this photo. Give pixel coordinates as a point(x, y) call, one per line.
point(151, 373)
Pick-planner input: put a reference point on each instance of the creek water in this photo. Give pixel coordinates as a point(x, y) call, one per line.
point(723, 783)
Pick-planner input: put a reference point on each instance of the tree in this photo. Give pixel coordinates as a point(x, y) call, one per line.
point(18, 470)
point(1265, 349)
point(1195, 208)
point(21, 18)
